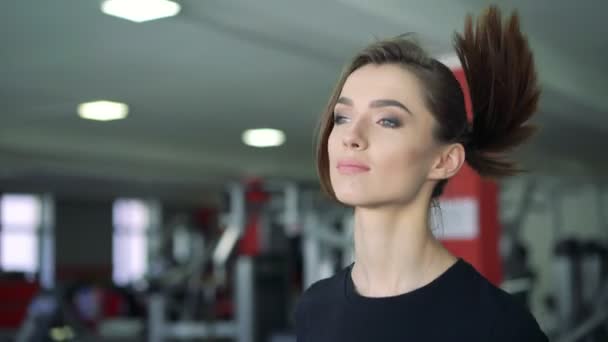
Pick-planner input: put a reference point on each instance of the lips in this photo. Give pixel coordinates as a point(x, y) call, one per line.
point(350, 166)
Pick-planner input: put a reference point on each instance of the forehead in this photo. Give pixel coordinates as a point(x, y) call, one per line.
point(381, 81)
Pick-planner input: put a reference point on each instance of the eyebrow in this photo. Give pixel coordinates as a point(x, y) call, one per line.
point(376, 103)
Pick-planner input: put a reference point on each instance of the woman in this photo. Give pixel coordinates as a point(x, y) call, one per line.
point(395, 130)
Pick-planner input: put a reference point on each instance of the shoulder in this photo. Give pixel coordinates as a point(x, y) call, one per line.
point(322, 291)
point(506, 317)
point(511, 320)
point(315, 299)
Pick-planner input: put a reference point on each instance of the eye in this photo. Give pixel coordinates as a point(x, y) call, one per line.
point(338, 119)
point(390, 123)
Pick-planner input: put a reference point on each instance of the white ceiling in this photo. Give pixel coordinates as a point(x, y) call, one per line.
point(194, 82)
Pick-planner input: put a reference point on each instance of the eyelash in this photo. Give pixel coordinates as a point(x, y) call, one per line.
point(392, 122)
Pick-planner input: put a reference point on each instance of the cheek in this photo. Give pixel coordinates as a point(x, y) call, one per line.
point(331, 145)
point(406, 162)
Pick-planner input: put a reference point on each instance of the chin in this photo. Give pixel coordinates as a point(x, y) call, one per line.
point(353, 199)
point(365, 199)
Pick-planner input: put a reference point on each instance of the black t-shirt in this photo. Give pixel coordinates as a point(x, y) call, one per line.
point(460, 305)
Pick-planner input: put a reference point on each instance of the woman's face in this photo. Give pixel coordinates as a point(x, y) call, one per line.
point(381, 147)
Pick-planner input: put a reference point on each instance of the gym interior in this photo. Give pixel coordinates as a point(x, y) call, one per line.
point(157, 166)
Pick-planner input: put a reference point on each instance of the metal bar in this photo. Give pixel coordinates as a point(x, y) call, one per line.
point(47, 242)
point(156, 318)
point(184, 329)
point(586, 327)
point(244, 299)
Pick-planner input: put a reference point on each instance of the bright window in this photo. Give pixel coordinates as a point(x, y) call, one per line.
point(20, 218)
point(131, 219)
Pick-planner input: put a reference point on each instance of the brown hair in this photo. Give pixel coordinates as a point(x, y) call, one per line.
point(500, 73)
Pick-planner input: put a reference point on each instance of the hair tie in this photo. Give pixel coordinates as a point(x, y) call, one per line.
point(469, 141)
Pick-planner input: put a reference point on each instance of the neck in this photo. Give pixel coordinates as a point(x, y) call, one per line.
point(395, 251)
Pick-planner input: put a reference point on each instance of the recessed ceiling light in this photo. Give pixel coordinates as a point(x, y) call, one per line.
point(263, 137)
point(140, 10)
point(103, 110)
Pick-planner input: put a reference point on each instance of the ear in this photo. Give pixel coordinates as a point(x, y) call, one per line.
point(448, 162)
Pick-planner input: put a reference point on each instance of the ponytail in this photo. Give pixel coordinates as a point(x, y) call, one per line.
point(500, 72)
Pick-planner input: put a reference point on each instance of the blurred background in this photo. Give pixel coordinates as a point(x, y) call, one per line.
point(137, 205)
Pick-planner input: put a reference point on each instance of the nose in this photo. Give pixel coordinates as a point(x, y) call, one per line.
point(354, 138)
